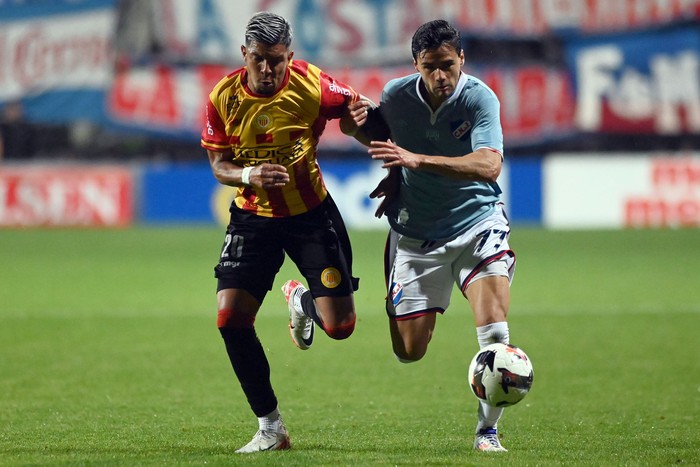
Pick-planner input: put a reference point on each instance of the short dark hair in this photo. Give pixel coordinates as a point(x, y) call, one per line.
point(432, 35)
point(269, 29)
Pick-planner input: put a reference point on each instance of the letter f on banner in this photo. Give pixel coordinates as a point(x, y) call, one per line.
point(595, 70)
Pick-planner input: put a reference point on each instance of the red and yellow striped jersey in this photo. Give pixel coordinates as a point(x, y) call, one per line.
point(283, 128)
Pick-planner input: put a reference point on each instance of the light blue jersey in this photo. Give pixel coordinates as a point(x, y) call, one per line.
point(432, 206)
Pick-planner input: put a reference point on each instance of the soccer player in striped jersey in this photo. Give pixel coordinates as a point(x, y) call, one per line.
point(444, 149)
point(263, 124)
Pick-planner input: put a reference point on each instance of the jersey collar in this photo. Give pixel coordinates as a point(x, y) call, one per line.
point(458, 89)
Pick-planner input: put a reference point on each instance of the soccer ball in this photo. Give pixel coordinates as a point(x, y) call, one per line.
point(500, 375)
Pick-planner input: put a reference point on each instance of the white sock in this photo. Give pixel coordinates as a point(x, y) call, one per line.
point(271, 421)
point(488, 416)
point(492, 333)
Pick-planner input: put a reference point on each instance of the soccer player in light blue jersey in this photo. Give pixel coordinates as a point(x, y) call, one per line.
point(439, 134)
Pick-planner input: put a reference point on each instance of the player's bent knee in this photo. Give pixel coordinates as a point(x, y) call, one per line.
point(228, 318)
point(341, 331)
point(404, 360)
point(409, 355)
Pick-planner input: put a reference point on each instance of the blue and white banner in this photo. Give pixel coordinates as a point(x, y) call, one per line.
point(641, 83)
point(57, 59)
point(56, 56)
point(177, 193)
point(14, 10)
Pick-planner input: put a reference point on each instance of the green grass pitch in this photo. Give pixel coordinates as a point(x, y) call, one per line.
point(110, 356)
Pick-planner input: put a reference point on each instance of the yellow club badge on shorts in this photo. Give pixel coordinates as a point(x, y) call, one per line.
point(330, 278)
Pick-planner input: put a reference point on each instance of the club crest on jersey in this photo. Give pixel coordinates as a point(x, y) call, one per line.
point(460, 129)
point(330, 278)
point(263, 120)
point(396, 293)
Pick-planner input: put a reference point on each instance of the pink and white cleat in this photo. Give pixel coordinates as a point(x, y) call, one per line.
point(301, 327)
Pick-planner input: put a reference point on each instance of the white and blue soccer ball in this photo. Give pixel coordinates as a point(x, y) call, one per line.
point(501, 375)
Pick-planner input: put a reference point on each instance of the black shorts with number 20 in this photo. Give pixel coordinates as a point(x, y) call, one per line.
point(317, 241)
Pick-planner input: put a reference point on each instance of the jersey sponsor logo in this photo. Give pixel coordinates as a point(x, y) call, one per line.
point(330, 278)
point(396, 293)
point(460, 129)
point(273, 155)
point(338, 89)
point(263, 120)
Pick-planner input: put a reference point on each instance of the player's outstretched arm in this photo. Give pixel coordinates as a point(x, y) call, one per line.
point(483, 164)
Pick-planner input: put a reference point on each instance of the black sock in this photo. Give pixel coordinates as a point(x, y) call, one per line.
point(309, 308)
point(251, 367)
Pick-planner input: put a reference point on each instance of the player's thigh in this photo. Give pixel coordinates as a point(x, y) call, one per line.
point(251, 255)
point(485, 251)
point(312, 242)
point(336, 311)
point(419, 278)
point(489, 298)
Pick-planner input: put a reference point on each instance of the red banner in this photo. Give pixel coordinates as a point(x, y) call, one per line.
point(537, 102)
point(66, 197)
point(56, 53)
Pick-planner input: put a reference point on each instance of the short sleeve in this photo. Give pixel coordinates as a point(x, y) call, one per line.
point(486, 130)
point(335, 96)
point(214, 135)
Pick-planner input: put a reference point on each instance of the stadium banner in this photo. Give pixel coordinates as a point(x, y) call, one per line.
point(562, 17)
point(201, 199)
point(537, 102)
point(56, 56)
point(15, 10)
point(189, 194)
point(521, 182)
point(641, 83)
point(66, 196)
point(170, 101)
point(181, 193)
point(366, 32)
point(650, 190)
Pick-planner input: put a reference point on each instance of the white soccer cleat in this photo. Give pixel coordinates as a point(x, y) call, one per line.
point(265, 440)
point(301, 327)
point(487, 440)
